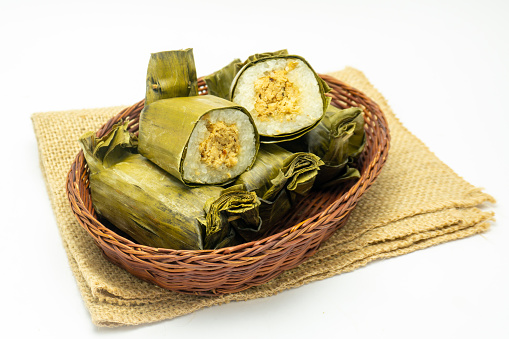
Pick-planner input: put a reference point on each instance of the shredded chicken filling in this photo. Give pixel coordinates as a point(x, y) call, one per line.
point(222, 146)
point(277, 97)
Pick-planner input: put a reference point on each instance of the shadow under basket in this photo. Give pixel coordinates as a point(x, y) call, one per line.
point(233, 269)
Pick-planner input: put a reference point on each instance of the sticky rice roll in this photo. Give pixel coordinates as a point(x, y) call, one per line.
point(199, 139)
point(283, 95)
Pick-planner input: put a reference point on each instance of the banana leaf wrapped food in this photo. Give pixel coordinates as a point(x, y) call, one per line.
point(199, 139)
point(338, 140)
point(171, 74)
point(282, 92)
point(279, 178)
point(156, 209)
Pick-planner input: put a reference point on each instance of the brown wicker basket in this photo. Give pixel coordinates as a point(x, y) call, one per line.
point(233, 269)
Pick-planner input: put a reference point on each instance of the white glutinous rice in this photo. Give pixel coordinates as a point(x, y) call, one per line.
point(209, 158)
point(291, 73)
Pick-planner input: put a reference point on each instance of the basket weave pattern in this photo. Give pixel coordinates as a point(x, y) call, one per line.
point(233, 269)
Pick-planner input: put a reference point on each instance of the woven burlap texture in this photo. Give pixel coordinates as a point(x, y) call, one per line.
point(416, 202)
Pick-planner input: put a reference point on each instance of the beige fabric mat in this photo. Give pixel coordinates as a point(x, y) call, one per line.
point(416, 202)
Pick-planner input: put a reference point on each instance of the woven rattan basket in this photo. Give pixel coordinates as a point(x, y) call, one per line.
point(232, 269)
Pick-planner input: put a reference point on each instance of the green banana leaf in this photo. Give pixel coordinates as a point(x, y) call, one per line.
point(166, 126)
point(235, 207)
point(171, 74)
point(153, 207)
point(279, 178)
point(219, 82)
point(332, 176)
point(339, 136)
point(338, 140)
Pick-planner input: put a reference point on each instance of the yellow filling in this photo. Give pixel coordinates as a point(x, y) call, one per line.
point(277, 97)
point(222, 146)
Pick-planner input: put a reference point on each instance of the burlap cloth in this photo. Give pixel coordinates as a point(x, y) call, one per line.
point(416, 202)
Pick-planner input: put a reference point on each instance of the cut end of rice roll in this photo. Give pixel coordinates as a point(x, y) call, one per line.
point(283, 95)
point(221, 147)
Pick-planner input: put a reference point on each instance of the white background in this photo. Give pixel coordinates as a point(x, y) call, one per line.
point(442, 65)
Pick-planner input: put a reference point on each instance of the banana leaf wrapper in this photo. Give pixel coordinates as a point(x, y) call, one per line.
point(279, 178)
point(338, 140)
point(166, 127)
point(153, 207)
point(219, 83)
point(171, 74)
